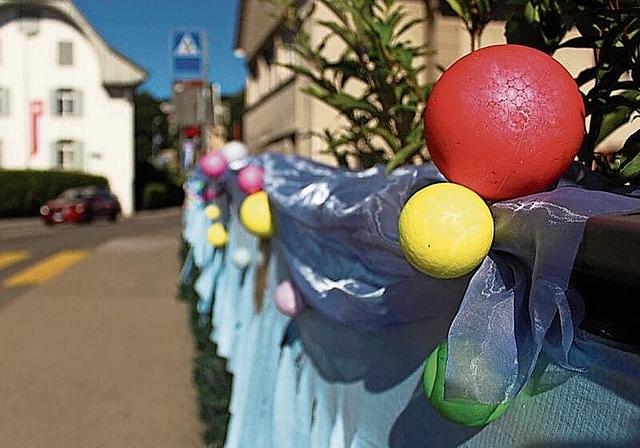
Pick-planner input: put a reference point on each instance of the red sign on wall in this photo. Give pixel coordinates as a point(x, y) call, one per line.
point(35, 108)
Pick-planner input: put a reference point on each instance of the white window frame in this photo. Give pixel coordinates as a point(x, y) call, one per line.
point(67, 155)
point(67, 103)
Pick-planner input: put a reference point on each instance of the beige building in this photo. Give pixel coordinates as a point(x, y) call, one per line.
point(279, 117)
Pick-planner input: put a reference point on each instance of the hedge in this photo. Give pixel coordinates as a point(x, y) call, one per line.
point(211, 379)
point(160, 195)
point(22, 192)
point(156, 187)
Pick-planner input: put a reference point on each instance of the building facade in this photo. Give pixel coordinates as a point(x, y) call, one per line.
point(279, 117)
point(66, 97)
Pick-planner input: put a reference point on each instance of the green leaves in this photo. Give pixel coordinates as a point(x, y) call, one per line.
point(630, 159)
point(475, 14)
point(611, 30)
point(374, 83)
point(539, 24)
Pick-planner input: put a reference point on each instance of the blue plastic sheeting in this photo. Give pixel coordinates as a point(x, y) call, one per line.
point(347, 372)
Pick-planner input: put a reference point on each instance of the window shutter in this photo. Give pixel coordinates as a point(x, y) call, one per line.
point(65, 53)
point(54, 103)
point(4, 101)
point(53, 163)
point(79, 153)
point(79, 103)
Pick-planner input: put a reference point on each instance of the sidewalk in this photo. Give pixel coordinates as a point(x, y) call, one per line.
point(100, 357)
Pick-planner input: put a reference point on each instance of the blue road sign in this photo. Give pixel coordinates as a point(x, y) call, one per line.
point(188, 53)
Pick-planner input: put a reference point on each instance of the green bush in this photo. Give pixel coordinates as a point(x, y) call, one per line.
point(156, 188)
point(211, 380)
point(159, 195)
point(22, 192)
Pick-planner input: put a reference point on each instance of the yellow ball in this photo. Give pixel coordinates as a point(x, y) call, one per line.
point(212, 212)
point(217, 235)
point(445, 230)
point(255, 215)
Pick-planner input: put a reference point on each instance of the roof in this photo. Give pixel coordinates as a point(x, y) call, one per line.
point(255, 24)
point(116, 69)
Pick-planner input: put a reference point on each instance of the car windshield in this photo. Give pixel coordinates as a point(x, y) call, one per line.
point(78, 193)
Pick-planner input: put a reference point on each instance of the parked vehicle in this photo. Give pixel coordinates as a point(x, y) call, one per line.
point(81, 205)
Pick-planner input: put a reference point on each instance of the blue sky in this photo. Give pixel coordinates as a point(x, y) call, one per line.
point(142, 30)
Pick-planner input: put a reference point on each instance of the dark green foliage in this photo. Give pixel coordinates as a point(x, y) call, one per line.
point(22, 192)
point(236, 104)
point(149, 121)
point(161, 195)
point(612, 32)
point(375, 84)
point(540, 24)
point(475, 14)
point(211, 380)
point(156, 187)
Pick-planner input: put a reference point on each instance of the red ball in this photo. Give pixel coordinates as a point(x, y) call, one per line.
point(504, 121)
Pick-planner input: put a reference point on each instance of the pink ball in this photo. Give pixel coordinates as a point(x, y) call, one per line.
point(250, 179)
point(213, 164)
point(209, 194)
point(288, 300)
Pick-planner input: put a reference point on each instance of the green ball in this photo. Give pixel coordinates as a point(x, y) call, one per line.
point(458, 410)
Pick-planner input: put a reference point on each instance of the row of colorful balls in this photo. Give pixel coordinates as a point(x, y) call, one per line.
point(254, 214)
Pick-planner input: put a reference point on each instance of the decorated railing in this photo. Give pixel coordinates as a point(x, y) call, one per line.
point(431, 306)
point(327, 328)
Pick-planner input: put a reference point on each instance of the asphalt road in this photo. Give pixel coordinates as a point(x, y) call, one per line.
point(33, 241)
point(96, 349)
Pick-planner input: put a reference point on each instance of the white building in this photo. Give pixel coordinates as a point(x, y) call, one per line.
point(66, 97)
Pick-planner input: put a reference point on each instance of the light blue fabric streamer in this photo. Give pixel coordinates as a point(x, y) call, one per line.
point(205, 284)
point(187, 266)
point(507, 315)
point(202, 248)
point(350, 373)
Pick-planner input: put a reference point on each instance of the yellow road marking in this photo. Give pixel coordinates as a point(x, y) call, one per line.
point(46, 269)
point(12, 257)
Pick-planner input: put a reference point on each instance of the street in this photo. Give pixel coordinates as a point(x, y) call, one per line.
point(96, 348)
point(25, 242)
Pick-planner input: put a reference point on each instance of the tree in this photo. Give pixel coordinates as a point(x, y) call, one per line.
point(149, 122)
point(375, 84)
point(235, 104)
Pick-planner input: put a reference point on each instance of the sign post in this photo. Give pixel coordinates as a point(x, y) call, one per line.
point(188, 54)
point(190, 91)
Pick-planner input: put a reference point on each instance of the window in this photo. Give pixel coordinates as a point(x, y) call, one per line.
point(65, 53)
point(67, 103)
point(67, 155)
point(29, 20)
point(4, 101)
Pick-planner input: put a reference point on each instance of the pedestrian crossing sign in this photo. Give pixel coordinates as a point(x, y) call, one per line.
point(187, 53)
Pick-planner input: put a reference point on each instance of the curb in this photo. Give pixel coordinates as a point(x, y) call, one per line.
point(11, 226)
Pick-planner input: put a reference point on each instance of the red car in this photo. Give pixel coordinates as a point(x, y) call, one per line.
point(81, 205)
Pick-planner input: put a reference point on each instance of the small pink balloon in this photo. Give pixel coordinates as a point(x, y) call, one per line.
point(213, 163)
point(250, 179)
point(288, 300)
point(209, 194)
